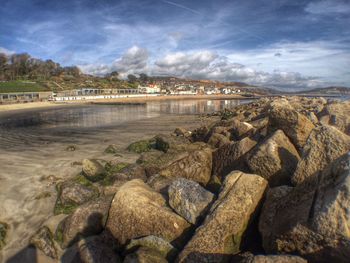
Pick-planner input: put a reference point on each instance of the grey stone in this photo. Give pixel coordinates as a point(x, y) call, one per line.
point(189, 199)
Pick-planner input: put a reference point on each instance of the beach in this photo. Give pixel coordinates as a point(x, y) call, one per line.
point(130, 99)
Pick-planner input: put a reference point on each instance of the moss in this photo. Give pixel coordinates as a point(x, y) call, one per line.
point(111, 149)
point(3, 233)
point(69, 208)
point(116, 168)
point(64, 208)
point(59, 233)
point(111, 170)
point(81, 179)
point(140, 146)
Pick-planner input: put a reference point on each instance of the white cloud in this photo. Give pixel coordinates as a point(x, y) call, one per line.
point(328, 7)
point(134, 61)
point(261, 67)
point(6, 51)
point(326, 59)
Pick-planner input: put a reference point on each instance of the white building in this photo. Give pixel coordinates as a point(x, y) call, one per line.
point(150, 89)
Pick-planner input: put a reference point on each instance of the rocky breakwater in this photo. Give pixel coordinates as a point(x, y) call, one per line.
point(269, 182)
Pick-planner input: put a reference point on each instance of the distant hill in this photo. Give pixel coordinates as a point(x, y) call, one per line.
point(330, 90)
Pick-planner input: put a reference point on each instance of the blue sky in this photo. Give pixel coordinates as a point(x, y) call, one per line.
point(277, 43)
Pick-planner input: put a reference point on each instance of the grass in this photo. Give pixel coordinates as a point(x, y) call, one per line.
point(20, 86)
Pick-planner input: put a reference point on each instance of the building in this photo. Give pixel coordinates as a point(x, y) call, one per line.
point(150, 89)
point(25, 96)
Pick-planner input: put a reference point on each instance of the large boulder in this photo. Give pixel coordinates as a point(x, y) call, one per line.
point(240, 129)
point(295, 125)
point(194, 163)
point(137, 211)
point(87, 220)
point(312, 219)
point(275, 159)
point(324, 145)
point(220, 234)
point(230, 156)
point(93, 170)
point(189, 199)
point(337, 114)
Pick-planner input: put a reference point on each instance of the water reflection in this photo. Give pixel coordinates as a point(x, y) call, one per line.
point(106, 115)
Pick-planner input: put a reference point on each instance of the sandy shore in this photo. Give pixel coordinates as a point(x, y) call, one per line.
point(47, 104)
point(26, 169)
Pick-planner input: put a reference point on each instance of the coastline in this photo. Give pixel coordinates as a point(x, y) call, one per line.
point(10, 108)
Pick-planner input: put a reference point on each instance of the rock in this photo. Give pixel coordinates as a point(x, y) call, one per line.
point(181, 132)
point(155, 243)
point(275, 159)
point(87, 220)
point(71, 194)
point(189, 199)
point(160, 183)
point(138, 211)
point(140, 146)
point(217, 140)
point(71, 148)
point(112, 149)
point(220, 234)
point(194, 163)
point(96, 250)
point(220, 130)
point(240, 129)
point(200, 134)
point(93, 170)
point(145, 255)
point(53, 222)
point(337, 114)
point(43, 240)
point(230, 156)
point(324, 145)
point(312, 219)
point(295, 125)
point(165, 143)
point(278, 259)
point(3, 234)
point(312, 117)
point(134, 171)
point(273, 197)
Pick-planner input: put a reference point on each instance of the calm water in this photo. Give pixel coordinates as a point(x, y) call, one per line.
point(88, 116)
point(68, 123)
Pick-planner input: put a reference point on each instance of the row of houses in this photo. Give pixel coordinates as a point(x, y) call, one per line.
point(179, 89)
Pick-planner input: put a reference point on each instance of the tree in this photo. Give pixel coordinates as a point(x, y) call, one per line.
point(143, 77)
point(132, 78)
point(113, 75)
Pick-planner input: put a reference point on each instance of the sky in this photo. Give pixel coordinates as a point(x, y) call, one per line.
point(286, 44)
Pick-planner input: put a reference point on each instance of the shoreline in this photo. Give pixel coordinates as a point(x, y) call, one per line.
point(20, 107)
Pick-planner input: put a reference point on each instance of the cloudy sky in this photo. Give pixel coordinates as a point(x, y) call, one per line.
point(276, 43)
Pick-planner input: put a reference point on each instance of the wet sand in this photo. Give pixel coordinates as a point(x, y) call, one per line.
point(27, 169)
